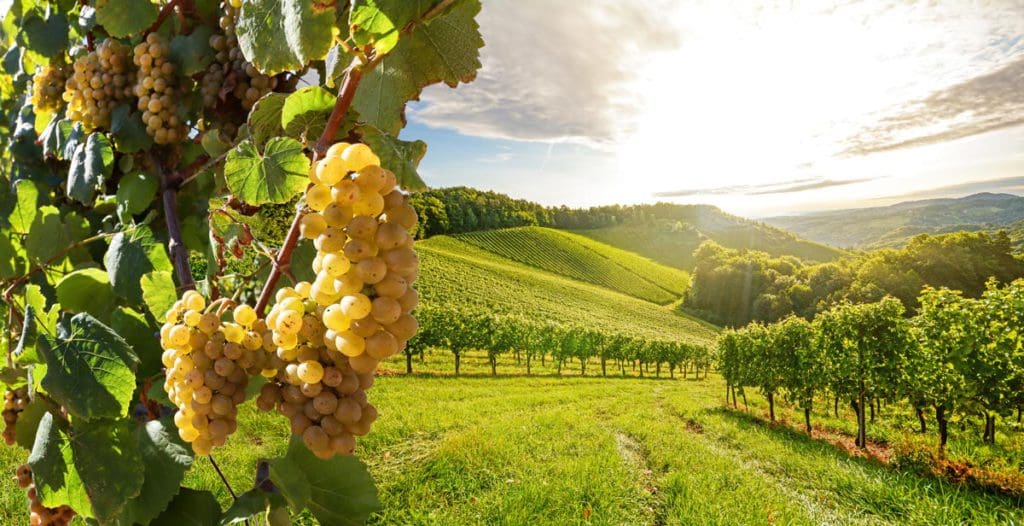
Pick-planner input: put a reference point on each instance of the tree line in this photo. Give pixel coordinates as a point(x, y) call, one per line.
point(734, 287)
point(461, 331)
point(461, 209)
point(956, 355)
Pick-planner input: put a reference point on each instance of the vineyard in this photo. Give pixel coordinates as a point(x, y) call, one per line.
point(582, 259)
point(457, 273)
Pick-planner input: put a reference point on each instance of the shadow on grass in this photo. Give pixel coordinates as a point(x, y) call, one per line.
point(940, 470)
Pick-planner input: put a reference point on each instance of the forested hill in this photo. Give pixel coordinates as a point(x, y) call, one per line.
point(892, 226)
point(665, 232)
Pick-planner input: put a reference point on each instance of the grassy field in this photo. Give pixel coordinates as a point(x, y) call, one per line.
point(458, 274)
point(589, 450)
point(584, 259)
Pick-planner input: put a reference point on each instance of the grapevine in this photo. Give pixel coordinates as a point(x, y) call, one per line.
point(40, 515)
point(143, 138)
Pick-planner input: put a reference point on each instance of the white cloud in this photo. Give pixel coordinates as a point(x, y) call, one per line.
point(553, 71)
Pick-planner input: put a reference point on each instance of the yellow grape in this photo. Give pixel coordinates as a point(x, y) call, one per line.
point(318, 197)
point(359, 156)
point(330, 170)
point(334, 319)
point(336, 149)
point(356, 306)
point(245, 315)
point(312, 225)
point(310, 372)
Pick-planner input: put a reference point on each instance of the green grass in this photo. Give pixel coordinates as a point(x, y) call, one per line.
point(588, 450)
point(578, 257)
point(456, 273)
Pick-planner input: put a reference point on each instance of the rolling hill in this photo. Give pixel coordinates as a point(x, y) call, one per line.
point(584, 259)
point(890, 226)
point(455, 272)
point(672, 239)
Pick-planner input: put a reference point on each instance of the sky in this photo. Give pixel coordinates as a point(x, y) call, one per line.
point(760, 108)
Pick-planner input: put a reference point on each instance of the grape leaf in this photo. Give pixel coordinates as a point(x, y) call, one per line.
point(190, 508)
point(91, 372)
point(192, 53)
point(28, 422)
point(46, 37)
point(128, 130)
point(276, 176)
point(401, 157)
point(282, 35)
point(130, 256)
point(265, 118)
point(379, 22)
point(123, 18)
point(338, 491)
point(141, 336)
point(95, 467)
point(135, 192)
point(158, 293)
point(165, 458)
point(55, 137)
point(87, 290)
point(304, 114)
point(47, 236)
point(91, 163)
point(251, 503)
point(446, 49)
point(25, 205)
point(12, 261)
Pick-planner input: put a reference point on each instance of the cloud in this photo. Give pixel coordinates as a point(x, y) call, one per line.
point(552, 71)
point(981, 104)
point(785, 187)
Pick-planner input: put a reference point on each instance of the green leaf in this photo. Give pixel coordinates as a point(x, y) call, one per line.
point(87, 290)
point(304, 114)
point(248, 504)
point(92, 372)
point(141, 336)
point(276, 176)
point(47, 37)
point(192, 53)
point(401, 157)
point(265, 118)
point(46, 320)
point(28, 422)
point(25, 205)
point(12, 256)
point(379, 22)
point(338, 491)
point(190, 508)
point(91, 163)
point(95, 467)
point(158, 293)
point(24, 351)
point(55, 137)
point(128, 130)
point(282, 35)
point(213, 145)
point(123, 18)
point(447, 49)
point(130, 256)
point(165, 458)
point(135, 193)
point(47, 236)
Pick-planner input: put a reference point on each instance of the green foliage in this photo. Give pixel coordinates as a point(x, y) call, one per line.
point(98, 193)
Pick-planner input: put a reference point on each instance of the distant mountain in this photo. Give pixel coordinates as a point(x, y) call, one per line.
point(892, 226)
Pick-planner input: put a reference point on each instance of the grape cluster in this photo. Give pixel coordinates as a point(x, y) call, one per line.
point(15, 401)
point(48, 86)
point(40, 515)
point(247, 84)
point(157, 91)
point(318, 389)
point(209, 362)
point(362, 298)
point(100, 80)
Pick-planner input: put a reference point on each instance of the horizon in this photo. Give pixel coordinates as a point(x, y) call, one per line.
point(732, 107)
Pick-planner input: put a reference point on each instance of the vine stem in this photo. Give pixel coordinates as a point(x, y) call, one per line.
point(222, 477)
point(353, 76)
point(175, 245)
point(165, 12)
